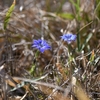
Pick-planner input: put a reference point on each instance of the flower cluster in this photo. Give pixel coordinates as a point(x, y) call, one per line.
point(69, 37)
point(41, 45)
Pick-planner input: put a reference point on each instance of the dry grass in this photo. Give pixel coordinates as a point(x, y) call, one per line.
point(25, 75)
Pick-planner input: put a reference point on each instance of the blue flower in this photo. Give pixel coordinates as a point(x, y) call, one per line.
point(69, 37)
point(41, 45)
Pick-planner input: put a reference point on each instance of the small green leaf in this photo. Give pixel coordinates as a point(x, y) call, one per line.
point(32, 69)
point(92, 56)
point(8, 14)
point(66, 15)
point(86, 41)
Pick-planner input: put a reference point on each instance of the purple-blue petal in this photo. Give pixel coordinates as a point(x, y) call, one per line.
point(69, 37)
point(41, 45)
